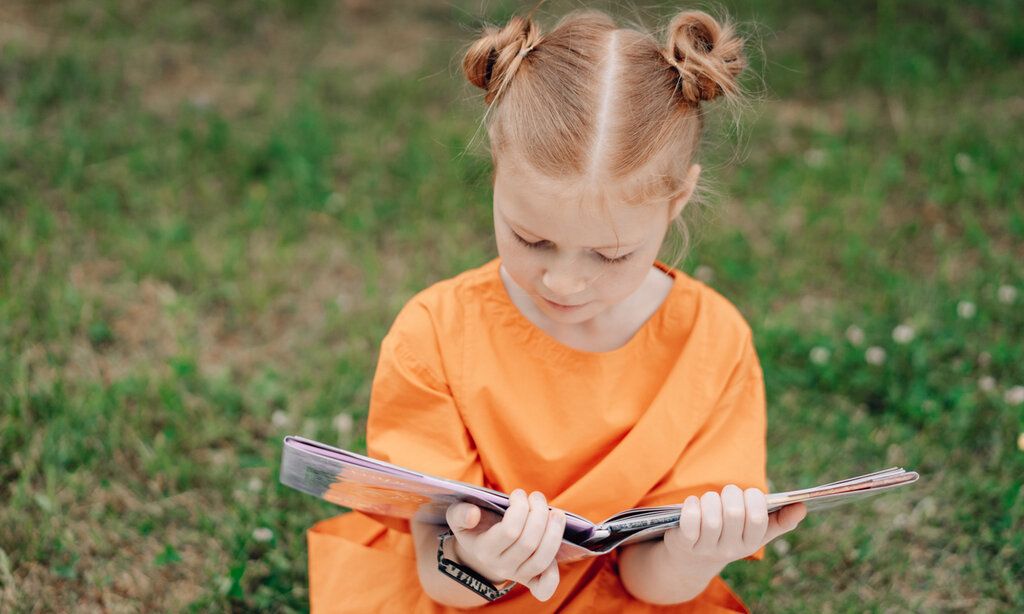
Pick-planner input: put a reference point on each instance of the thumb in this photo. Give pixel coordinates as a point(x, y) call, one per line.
point(784, 521)
point(462, 516)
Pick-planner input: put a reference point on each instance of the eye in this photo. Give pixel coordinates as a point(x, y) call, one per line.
point(541, 245)
point(615, 260)
point(537, 245)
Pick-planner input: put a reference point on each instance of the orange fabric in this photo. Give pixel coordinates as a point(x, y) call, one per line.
point(467, 388)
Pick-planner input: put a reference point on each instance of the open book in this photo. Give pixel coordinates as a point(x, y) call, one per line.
point(376, 487)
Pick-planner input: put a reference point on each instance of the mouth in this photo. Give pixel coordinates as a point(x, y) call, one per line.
point(562, 307)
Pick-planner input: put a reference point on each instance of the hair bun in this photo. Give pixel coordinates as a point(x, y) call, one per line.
point(708, 55)
point(496, 55)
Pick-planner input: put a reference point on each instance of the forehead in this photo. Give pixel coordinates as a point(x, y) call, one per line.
point(574, 212)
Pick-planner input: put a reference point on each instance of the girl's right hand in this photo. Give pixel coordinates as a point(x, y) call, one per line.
point(520, 546)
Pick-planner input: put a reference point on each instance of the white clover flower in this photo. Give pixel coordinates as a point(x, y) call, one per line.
point(262, 534)
point(986, 383)
point(200, 100)
point(925, 508)
point(854, 334)
point(820, 355)
point(255, 484)
point(814, 158)
point(966, 309)
point(704, 273)
point(344, 423)
point(781, 547)
point(875, 355)
point(279, 418)
point(1007, 294)
point(903, 334)
point(1014, 396)
point(1020, 442)
point(963, 163)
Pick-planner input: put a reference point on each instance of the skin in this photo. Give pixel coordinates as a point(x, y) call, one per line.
point(714, 530)
point(569, 263)
point(572, 239)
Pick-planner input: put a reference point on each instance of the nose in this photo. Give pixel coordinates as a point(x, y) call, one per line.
point(563, 280)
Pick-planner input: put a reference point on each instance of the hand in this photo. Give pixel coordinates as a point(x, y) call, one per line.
point(520, 546)
point(718, 529)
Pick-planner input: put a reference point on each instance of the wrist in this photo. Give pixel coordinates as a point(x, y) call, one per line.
point(465, 575)
point(454, 552)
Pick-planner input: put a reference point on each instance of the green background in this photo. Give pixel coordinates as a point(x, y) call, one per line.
point(211, 212)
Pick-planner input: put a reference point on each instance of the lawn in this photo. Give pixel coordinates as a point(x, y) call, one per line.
point(210, 213)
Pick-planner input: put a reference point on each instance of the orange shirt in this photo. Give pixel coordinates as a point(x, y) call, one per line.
point(468, 388)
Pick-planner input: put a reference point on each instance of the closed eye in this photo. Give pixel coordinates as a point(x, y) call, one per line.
point(542, 245)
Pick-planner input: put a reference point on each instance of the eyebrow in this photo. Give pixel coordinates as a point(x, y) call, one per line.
point(519, 229)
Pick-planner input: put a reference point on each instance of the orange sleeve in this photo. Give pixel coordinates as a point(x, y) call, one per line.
point(730, 448)
point(413, 419)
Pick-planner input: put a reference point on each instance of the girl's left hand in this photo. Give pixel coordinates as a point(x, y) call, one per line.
point(717, 529)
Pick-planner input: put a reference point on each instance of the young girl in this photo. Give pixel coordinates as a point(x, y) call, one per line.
point(575, 366)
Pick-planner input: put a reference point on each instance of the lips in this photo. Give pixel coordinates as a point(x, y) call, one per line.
point(562, 305)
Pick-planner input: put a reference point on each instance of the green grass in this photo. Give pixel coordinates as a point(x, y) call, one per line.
point(209, 218)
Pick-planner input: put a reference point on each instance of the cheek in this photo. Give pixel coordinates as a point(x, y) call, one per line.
point(519, 260)
point(618, 281)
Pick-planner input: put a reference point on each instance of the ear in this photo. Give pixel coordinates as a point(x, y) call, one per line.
point(689, 185)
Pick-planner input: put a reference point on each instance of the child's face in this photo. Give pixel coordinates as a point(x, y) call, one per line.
point(575, 242)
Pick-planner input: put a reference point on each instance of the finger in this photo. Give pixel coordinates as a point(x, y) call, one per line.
point(544, 585)
point(757, 517)
point(734, 513)
point(548, 547)
point(710, 522)
point(784, 520)
point(533, 531)
point(503, 534)
point(685, 536)
point(462, 516)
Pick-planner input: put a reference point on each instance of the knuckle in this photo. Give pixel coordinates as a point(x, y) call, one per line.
point(519, 552)
point(530, 569)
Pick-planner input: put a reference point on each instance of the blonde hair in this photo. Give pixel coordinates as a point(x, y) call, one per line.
point(591, 101)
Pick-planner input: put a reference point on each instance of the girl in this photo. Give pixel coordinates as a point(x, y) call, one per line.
point(574, 366)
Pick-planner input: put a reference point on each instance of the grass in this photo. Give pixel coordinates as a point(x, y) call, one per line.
point(209, 217)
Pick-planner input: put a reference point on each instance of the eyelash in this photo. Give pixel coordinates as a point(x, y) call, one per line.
point(539, 246)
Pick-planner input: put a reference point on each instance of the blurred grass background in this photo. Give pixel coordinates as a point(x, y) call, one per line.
point(211, 212)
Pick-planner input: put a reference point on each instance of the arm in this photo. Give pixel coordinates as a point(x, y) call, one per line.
point(729, 447)
point(435, 584)
point(712, 532)
point(650, 575)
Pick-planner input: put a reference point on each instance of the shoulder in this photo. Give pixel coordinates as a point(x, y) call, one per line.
point(714, 312)
point(717, 329)
point(433, 321)
point(442, 305)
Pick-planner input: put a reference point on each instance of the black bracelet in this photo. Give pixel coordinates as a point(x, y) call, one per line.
point(466, 576)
